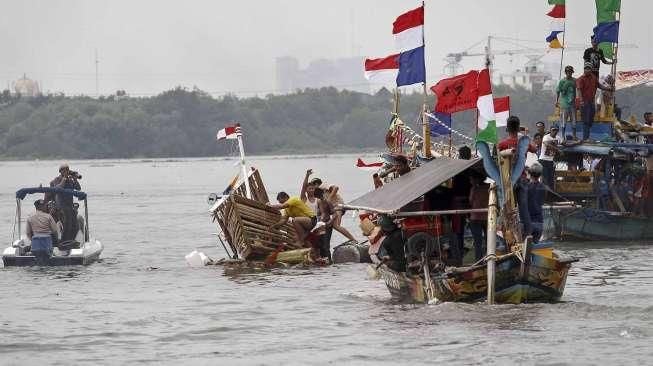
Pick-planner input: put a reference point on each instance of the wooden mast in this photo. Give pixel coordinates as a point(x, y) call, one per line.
point(426, 128)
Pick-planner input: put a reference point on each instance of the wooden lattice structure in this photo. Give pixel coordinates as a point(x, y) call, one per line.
point(245, 223)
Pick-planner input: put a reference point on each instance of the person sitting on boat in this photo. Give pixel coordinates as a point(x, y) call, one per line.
point(303, 217)
point(67, 179)
point(536, 193)
point(392, 251)
point(550, 144)
point(479, 196)
point(594, 56)
point(587, 85)
point(40, 229)
point(521, 188)
point(566, 101)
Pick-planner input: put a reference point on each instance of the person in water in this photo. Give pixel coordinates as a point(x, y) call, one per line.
point(40, 229)
point(303, 217)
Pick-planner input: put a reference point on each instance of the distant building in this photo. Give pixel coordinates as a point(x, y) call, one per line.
point(26, 87)
point(343, 73)
point(533, 77)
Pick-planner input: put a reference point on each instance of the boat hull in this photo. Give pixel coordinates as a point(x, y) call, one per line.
point(541, 279)
point(592, 224)
point(87, 254)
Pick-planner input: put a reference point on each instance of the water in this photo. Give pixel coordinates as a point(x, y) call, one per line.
point(142, 304)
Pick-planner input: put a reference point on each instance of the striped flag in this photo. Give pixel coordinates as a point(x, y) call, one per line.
point(229, 132)
point(487, 124)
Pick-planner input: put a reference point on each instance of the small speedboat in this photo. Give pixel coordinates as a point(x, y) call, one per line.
point(82, 250)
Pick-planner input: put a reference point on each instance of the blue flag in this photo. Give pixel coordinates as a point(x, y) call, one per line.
point(411, 67)
point(437, 129)
point(607, 32)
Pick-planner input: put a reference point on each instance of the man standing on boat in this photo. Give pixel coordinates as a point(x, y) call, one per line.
point(566, 101)
point(67, 179)
point(594, 56)
point(536, 193)
point(40, 229)
point(303, 217)
point(550, 144)
point(587, 86)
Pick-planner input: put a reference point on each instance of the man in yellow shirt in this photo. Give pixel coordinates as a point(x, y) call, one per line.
point(303, 217)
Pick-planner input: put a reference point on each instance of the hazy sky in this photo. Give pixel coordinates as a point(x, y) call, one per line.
point(147, 46)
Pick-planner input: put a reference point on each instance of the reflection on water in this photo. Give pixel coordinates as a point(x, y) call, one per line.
point(141, 303)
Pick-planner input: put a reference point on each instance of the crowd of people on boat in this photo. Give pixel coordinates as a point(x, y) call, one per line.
point(54, 220)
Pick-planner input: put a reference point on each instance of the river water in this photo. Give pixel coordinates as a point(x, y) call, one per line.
point(142, 304)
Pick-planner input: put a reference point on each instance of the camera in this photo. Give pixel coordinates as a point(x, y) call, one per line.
point(74, 174)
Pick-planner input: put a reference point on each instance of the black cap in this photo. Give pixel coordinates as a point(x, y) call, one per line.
point(39, 203)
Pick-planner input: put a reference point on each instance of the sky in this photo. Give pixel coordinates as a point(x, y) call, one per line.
point(219, 46)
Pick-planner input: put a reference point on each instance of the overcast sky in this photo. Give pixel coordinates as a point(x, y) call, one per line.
point(147, 46)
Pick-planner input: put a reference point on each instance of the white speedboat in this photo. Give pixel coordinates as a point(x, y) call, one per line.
point(82, 250)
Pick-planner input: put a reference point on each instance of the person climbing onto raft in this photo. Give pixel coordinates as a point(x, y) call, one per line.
point(303, 217)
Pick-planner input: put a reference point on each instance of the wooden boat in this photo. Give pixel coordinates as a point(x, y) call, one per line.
point(521, 272)
point(603, 208)
point(539, 278)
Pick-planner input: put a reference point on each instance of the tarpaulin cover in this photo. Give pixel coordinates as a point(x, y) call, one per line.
point(403, 190)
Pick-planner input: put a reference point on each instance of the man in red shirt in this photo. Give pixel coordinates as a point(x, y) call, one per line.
point(521, 188)
point(587, 85)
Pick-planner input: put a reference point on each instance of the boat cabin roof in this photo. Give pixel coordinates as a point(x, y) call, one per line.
point(408, 187)
point(23, 192)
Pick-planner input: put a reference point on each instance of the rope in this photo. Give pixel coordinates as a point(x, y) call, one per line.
point(456, 132)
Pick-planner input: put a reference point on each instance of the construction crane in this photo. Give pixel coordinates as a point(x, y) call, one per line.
point(452, 60)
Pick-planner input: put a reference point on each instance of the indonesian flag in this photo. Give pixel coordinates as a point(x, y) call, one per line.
point(502, 110)
point(360, 164)
point(383, 69)
point(408, 30)
point(229, 132)
point(487, 124)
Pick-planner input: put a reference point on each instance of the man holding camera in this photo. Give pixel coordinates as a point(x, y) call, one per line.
point(67, 179)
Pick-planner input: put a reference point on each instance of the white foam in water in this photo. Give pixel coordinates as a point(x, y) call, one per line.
point(196, 259)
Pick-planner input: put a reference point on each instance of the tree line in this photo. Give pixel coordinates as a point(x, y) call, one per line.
point(183, 123)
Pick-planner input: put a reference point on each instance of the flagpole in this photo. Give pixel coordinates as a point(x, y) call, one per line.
point(425, 124)
point(243, 166)
point(562, 54)
point(614, 65)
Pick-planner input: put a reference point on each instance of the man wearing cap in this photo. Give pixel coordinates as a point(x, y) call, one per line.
point(566, 101)
point(587, 85)
point(66, 180)
point(550, 143)
point(594, 56)
point(40, 229)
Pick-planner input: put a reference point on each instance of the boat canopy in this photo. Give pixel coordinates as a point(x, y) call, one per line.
point(23, 192)
point(408, 187)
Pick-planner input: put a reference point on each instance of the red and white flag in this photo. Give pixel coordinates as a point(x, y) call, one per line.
point(502, 110)
point(360, 164)
point(408, 30)
point(229, 132)
point(383, 69)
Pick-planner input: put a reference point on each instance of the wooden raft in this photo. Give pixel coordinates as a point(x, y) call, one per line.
point(245, 223)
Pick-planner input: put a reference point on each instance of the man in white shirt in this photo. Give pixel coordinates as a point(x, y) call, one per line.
point(550, 143)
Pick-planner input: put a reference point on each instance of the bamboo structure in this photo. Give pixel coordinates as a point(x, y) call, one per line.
point(246, 223)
